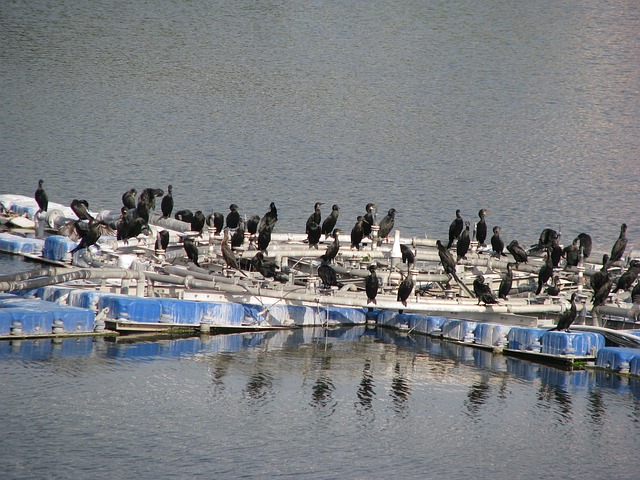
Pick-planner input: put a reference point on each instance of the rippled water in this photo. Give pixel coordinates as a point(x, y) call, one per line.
point(529, 109)
point(342, 403)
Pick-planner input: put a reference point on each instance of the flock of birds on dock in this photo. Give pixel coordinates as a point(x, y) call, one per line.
point(135, 217)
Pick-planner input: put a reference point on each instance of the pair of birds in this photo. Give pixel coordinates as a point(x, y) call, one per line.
point(458, 227)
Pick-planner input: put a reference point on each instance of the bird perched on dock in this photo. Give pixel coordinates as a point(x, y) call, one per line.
point(545, 272)
point(162, 241)
point(369, 218)
point(600, 277)
point(585, 244)
point(547, 237)
point(191, 249)
point(635, 293)
point(215, 220)
point(129, 198)
point(330, 222)
point(405, 288)
point(455, 229)
point(267, 268)
point(481, 228)
point(600, 297)
point(408, 256)
point(328, 275)
point(357, 233)
point(483, 291)
point(371, 285)
point(233, 217)
point(554, 289)
point(81, 209)
point(315, 217)
point(496, 242)
point(462, 247)
point(332, 250)
point(447, 260)
point(264, 237)
point(555, 251)
point(237, 239)
point(627, 278)
point(227, 253)
point(167, 203)
point(507, 281)
point(314, 232)
point(620, 245)
point(198, 222)
point(185, 215)
point(91, 234)
point(252, 224)
point(568, 316)
point(269, 219)
point(571, 253)
point(519, 255)
point(148, 196)
point(41, 198)
point(386, 225)
point(123, 225)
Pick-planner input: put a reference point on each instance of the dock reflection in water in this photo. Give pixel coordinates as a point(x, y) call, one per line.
point(373, 394)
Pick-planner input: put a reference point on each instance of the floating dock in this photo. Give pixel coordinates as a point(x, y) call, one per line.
point(122, 287)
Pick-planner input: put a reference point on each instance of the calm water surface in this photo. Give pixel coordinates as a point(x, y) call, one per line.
point(310, 403)
point(529, 109)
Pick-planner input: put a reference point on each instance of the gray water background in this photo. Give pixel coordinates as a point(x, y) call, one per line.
point(529, 109)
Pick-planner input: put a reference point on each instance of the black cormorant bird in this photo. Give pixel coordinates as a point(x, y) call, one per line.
point(571, 253)
point(635, 293)
point(357, 233)
point(496, 242)
point(41, 198)
point(369, 218)
point(149, 195)
point(547, 237)
point(185, 215)
point(407, 254)
point(332, 250)
point(328, 275)
point(267, 268)
point(545, 272)
point(617, 251)
point(252, 224)
point(192, 250)
point(447, 260)
point(198, 221)
point(81, 209)
point(330, 222)
point(462, 247)
point(162, 241)
point(455, 229)
point(233, 217)
point(554, 288)
point(216, 221)
point(129, 198)
point(585, 244)
point(314, 232)
point(386, 225)
point(481, 228)
point(227, 253)
point(568, 316)
point(627, 278)
point(167, 203)
point(483, 291)
point(507, 281)
point(600, 277)
point(90, 236)
point(405, 288)
point(270, 218)
point(264, 237)
point(124, 224)
point(555, 251)
point(237, 238)
point(600, 296)
point(371, 285)
point(519, 255)
point(315, 217)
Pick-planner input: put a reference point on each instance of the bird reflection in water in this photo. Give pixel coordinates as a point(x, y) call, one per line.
point(259, 388)
point(549, 394)
point(400, 391)
point(478, 395)
point(322, 391)
point(365, 390)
